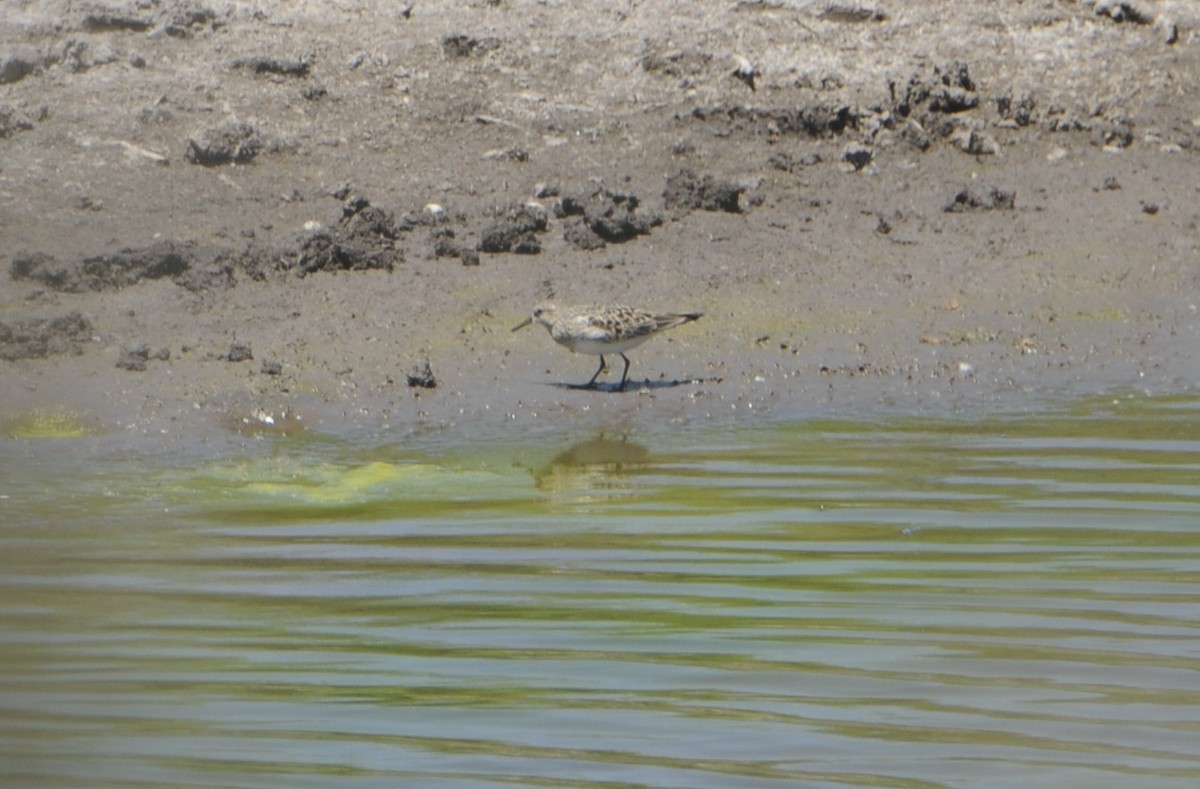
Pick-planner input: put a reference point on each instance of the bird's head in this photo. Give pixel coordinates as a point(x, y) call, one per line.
point(543, 314)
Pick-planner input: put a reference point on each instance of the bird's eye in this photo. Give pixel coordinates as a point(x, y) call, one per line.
point(537, 313)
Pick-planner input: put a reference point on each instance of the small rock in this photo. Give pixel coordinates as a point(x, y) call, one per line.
point(1168, 28)
point(135, 358)
point(857, 155)
point(975, 143)
point(269, 65)
point(688, 191)
point(462, 46)
point(781, 160)
point(239, 352)
point(270, 367)
point(38, 338)
point(1018, 109)
point(527, 245)
point(981, 198)
point(421, 376)
point(18, 62)
point(104, 272)
point(916, 136)
point(77, 54)
point(744, 70)
point(514, 153)
point(515, 228)
point(232, 141)
point(458, 45)
point(364, 238)
point(444, 245)
point(12, 120)
point(1124, 10)
point(948, 89)
point(1113, 136)
point(949, 98)
point(577, 233)
point(104, 19)
point(603, 217)
point(188, 19)
point(851, 13)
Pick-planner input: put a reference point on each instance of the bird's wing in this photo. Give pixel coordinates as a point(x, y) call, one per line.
point(597, 327)
point(660, 322)
point(629, 323)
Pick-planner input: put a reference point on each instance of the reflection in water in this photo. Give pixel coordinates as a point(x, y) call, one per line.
point(904, 603)
point(590, 465)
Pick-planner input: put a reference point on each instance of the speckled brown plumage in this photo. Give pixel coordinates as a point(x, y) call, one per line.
point(601, 329)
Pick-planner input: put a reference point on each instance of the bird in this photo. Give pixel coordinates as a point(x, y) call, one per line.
point(601, 329)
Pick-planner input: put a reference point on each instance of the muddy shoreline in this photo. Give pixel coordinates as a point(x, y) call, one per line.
point(264, 217)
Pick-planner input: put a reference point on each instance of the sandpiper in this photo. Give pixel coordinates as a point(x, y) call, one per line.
point(610, 328)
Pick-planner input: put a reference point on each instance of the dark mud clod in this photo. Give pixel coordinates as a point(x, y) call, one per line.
point(685, 190)
point(116, 19)
point(363, 239)
point(1018, 109)
point(604, 217)
point(104, 272)
point(12, 120)
point(239, 352)
point(857, 155)
point(745, 71)
point(981, 198)
point(18, 62)
point(134, 359)
point(515, 229)
point(462, 46)
point(948, 89)
point(232, 141)
point(421, 377)
point(38, 338)
point(269, 65)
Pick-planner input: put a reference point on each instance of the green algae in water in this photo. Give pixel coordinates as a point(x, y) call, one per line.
point(738, 606)
point(303, 489)
point(45, 424)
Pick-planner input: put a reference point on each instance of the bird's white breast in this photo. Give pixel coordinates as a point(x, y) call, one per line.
point(601, 345)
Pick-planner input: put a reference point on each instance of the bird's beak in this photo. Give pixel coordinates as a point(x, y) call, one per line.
point(523, 324)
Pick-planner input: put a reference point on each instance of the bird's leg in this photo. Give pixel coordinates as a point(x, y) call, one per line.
point(625, 374)
point(599, 370)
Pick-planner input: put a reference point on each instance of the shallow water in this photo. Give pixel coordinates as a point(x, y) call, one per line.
point(906, 602)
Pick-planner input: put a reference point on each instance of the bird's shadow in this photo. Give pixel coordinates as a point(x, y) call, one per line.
point(634, 386)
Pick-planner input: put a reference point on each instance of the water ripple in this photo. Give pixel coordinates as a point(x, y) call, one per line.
point(917, 603)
